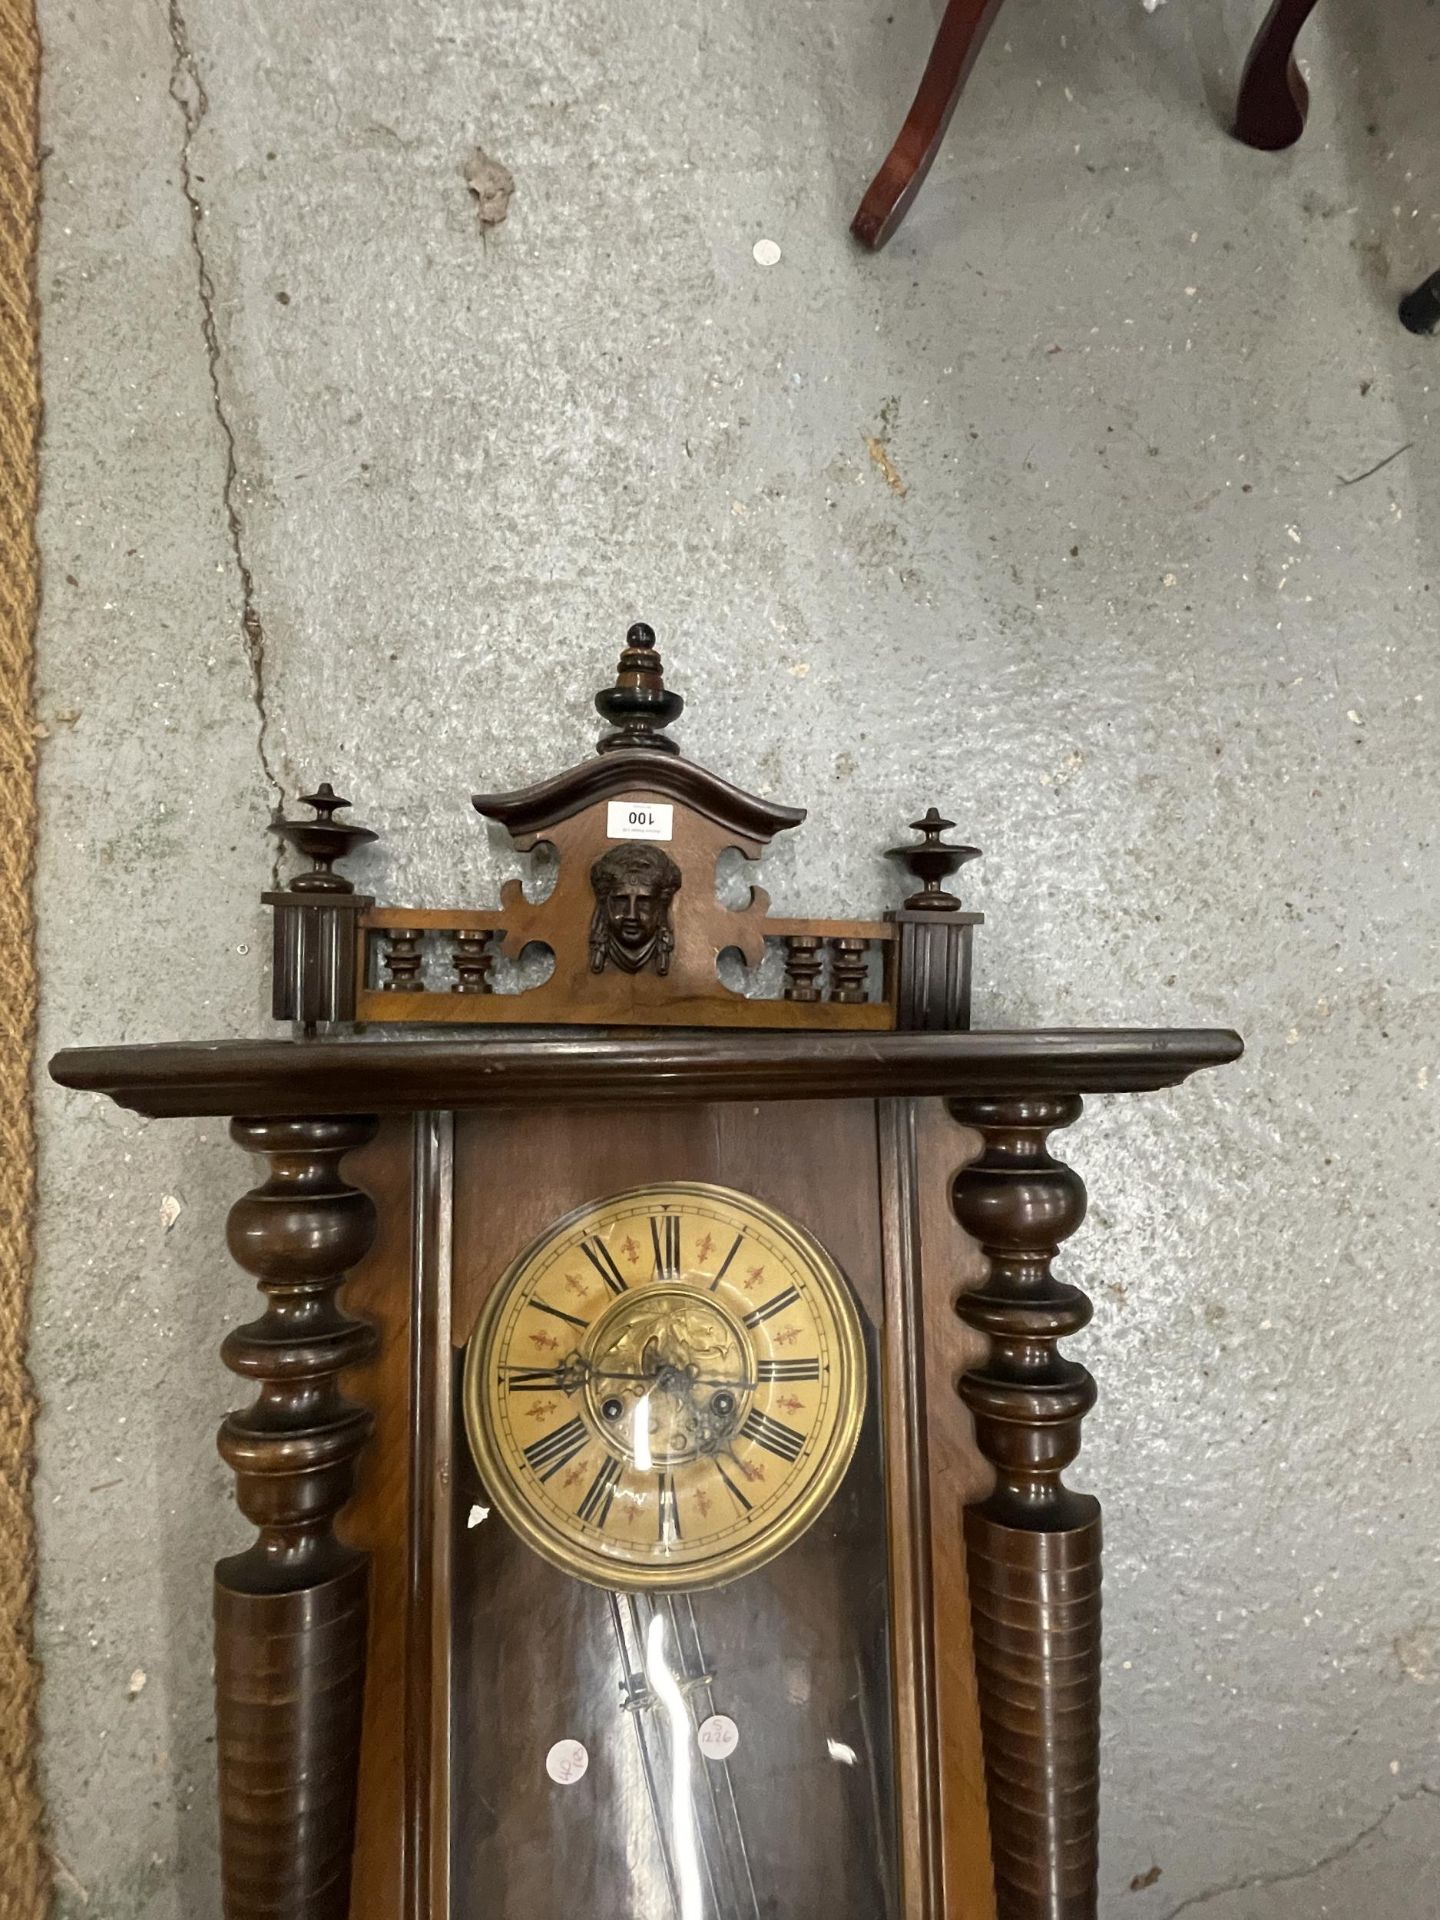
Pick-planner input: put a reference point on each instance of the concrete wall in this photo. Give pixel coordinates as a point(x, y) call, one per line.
point(337, 485)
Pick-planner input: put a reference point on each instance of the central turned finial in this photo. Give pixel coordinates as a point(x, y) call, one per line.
point(933, 861)
point(323, 840)
point(639, 704)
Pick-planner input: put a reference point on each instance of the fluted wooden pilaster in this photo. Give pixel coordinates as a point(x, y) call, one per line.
point(290, 1611)
point(1033, 1547)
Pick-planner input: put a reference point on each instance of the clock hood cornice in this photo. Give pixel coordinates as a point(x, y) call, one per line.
point(593, 1067)
point(533, 810)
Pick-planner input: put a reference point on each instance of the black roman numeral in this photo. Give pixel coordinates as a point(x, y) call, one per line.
point(767, 1372)
point(776, 1305)
point(665, 1236)
point(595, 1507)
point(537, 1380)
point(724, 1264)
point(598, 1254)
point(739, 1495)
point(558, 1313)
point(667, 1522)
point(558, 1449)
point(773, 1435)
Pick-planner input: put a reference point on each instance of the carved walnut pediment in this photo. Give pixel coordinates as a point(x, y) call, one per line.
point(633, 925)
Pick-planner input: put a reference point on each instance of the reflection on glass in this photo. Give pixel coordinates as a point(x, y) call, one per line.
point(700, 1799)
point(640, 1437)
point(682, 1811)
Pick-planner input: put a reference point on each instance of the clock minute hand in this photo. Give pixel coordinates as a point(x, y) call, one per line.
point(695, 1380)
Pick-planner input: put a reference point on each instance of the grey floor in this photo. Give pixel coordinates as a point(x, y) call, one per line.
point(335, 485)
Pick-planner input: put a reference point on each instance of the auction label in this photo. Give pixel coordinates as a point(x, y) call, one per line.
point(639, 820)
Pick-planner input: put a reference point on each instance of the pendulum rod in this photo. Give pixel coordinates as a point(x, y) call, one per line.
point(719, 1837)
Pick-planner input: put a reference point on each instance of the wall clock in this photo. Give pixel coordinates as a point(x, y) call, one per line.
point(670, 1521)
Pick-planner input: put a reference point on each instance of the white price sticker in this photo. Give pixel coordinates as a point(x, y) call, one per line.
point(639, 820)
point(566, 1762)
point(718, 1736)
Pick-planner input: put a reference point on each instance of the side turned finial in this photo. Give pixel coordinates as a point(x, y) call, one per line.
point(323, 840)
point(316, 917)
point(930, 970)
point(639, 705)
point(933, 861)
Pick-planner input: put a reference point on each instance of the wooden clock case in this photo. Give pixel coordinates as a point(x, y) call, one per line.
point(357, 1668)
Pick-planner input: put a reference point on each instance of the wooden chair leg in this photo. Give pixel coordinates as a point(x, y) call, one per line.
point(1274, 99)
point(1420, 310)
point(957, 45)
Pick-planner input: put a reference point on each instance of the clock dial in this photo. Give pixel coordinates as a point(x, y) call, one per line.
point(666, 1388)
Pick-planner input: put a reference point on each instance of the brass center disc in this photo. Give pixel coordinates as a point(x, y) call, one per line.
point(670, 1376)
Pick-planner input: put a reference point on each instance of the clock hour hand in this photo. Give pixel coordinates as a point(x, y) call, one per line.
point(567, 1376)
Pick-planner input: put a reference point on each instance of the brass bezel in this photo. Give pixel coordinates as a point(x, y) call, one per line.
point(600, 1570)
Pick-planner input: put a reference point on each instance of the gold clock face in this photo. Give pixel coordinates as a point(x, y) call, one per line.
point(665, 1390)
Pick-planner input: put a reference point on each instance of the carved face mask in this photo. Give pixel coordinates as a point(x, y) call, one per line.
point(630, 927)
point(632, 915)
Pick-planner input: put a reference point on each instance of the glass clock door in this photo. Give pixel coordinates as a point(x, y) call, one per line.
point(670, 1667)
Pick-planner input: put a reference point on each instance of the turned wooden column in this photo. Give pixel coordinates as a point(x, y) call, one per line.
point(290, 1611)
point(1033, 1547)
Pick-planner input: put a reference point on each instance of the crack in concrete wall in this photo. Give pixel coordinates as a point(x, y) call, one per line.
point(187, 90)
point(1198, 1900)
